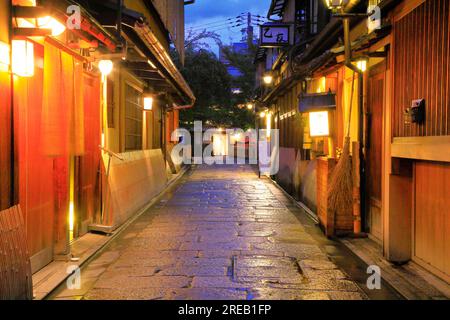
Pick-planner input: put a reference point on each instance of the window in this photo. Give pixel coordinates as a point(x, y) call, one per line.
point(133, 119)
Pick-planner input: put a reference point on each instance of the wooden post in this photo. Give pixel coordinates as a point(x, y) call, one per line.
point(356, 187)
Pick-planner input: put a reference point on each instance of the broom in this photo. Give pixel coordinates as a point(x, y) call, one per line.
point(340, 190)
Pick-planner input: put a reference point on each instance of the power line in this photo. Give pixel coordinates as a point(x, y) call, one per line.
point(229, 27)
point(215, 26)
point(215, 22)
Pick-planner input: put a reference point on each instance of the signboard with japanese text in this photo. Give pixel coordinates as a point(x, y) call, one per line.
point(274, 35)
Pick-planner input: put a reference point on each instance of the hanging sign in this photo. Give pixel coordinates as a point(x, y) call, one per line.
point(274, 35)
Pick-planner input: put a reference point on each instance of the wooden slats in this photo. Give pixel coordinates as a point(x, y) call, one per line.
point(421, 68)
point(15, 269)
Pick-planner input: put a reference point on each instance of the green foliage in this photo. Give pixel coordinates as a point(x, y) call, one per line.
point(244, 63)
point(211, 84)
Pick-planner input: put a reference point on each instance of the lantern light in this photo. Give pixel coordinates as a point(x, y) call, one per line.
point(249, 106)
point(262, 114)
point(335, 4)
point(268, 79)
point(148, 104)
point(4, 57)
point(318, 124)
point(105, 67)
point(362, 65)
point(23, 58)
point(51, 23)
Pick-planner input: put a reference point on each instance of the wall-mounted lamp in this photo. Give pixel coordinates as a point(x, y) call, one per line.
point(51, 23)
point(318, 124)
point(22, 58)
point(105, 67)
point(4, 57)
point(268, 79)
point(148, 103)
point(335, 4)
point(362, 65)
point(36, 21)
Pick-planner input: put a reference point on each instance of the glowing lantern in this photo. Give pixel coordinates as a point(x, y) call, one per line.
point(23, 58)
point(105, 67)
point(262, 114)
point(148, 104)
point(268, 79)
point(318, 124)
point(335, 4)
point(4, 57)
point(249, 106)
point(362, 65)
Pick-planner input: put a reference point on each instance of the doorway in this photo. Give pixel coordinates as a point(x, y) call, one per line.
point(375, 109)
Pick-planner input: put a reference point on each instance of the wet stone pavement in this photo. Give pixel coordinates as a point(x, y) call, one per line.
point(221, 233)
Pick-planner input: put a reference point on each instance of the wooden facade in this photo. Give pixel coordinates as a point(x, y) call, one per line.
point(406, 164)
point(421, 61)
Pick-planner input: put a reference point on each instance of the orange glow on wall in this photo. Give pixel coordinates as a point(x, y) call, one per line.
point(23, 58)
point(4, 57)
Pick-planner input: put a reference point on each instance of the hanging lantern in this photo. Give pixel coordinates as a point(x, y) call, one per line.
point(23, 58)
point(105, 67)
point(148, 103)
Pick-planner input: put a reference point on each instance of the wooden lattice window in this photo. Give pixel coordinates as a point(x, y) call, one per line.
point(133, 119)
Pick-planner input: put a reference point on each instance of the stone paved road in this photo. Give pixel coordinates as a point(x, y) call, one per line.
point(222, 234)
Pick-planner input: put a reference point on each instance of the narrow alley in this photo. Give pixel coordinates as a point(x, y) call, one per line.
point(222, 233)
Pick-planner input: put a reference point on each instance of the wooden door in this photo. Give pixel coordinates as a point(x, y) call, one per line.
point(375, 107)
point(432, 217)
point(87, 169)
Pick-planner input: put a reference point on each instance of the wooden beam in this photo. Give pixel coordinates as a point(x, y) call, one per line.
point(422, 148)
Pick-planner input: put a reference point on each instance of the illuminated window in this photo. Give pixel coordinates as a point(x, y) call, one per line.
point(318, 124)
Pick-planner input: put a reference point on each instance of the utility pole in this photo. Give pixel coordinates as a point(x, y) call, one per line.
point(249, 30)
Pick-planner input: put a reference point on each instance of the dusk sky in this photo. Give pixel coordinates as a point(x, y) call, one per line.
point(213, 15)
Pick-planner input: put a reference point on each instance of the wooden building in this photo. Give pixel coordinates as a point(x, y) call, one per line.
point(401, 124)
point(89, 95)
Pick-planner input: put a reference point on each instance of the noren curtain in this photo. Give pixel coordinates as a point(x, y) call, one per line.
point(63, 110)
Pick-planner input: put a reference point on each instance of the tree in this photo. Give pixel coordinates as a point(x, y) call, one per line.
point(211, 84)
point(244, 62)
point(196, 40)
point(208, 78)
